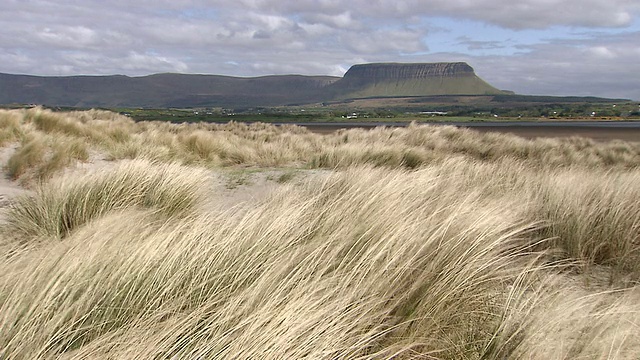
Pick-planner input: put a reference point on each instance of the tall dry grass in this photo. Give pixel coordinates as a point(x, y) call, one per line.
point(594, 217)
point(426, 279)
point(61, 205)
point(367, 263)
point(10, 127)
point(434, 243)
point(116, 137)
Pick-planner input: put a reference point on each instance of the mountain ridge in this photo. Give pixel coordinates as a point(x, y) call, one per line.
point(192, 90)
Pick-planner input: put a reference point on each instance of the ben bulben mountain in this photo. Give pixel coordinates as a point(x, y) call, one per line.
point(190, 90)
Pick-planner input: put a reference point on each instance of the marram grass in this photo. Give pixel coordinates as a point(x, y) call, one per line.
point(429, 243)
point(366, 263)
point(213, 145)
point(61, 205)
point(293, 277)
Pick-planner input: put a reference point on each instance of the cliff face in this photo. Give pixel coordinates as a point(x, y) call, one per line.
point(413, 79)
point(407, 71)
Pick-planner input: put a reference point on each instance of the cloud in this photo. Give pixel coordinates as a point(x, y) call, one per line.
point(602, 66)
point(507, 13)
point(602, 52)
point(259, 37)
point(342, 20)
point(137, 61)
point(74, 36)
point(385, 41)
point(480, 45)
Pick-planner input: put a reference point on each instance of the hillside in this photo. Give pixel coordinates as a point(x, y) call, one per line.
point(193, 90)
point(161, 90)
point(418, 79)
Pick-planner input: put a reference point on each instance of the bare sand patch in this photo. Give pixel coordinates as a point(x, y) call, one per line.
point(245, 186)
point(9, 189)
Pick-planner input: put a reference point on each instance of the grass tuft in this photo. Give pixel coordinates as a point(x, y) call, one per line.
point(62, 205)
point(30, 154)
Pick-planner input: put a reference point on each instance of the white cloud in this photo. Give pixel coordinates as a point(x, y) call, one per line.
point(518, 15)
point(69, 36)
point(602, 52)
point(258, 37)
point(343, 20)
point(136, 61)
point(601, 67)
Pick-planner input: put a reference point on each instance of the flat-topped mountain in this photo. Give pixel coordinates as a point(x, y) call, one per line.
point(190, 90)
point(419, 79)
point(386, 71)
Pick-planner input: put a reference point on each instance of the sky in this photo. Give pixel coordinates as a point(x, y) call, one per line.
point(538, 47)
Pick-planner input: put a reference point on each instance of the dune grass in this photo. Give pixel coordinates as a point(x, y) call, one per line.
point(28, 155)
point(39, 157)
point(324, 285)
point(433, 243)
point(117, 137)
point(10, 127)
point(594, 217)
point(61, 205)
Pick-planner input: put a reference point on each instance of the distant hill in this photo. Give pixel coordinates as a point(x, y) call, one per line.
point(192, 90)
point(161, 90)
point(418, 79)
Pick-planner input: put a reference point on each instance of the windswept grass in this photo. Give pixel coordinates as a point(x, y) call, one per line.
point(29, 155)
point(433, 243)
point(367, 263)
point(60, 206)
point(292, 269)
point(10, 127)
point(594, 217)
point(214, 145)
point(39, 157)
point(60, 123)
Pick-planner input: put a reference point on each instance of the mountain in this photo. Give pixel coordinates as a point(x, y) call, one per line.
point(418, 79)
point(161, 90)
point(191, 90)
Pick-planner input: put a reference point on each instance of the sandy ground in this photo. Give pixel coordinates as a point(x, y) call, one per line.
point(9, 189)
point(245, 186)
point(230, 187)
